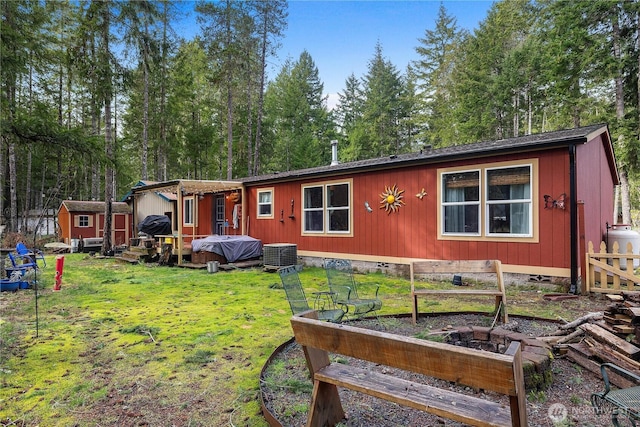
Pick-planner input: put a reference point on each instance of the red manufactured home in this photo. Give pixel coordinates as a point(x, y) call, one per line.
point(79, 219)
point(531, 202)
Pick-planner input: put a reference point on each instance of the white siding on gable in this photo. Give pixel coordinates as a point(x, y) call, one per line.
point(151, 204)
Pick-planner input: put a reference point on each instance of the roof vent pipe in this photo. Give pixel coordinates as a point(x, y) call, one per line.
point(334, 153)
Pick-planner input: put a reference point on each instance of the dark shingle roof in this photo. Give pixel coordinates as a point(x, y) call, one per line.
point(535, 142)
point(95, 206)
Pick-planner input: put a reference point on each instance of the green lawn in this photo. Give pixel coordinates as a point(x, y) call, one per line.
point(146, 345)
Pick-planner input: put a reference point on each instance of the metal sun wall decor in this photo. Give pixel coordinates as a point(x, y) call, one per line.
point(550, 202)
point(391, 199)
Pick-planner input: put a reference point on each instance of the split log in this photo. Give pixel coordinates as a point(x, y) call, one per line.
point(580, 320)
point(606, 354)
point(582, 355)
point(631, 295)
point(602, 335)
point(571, 337)
point(634, 314)
point(550, 339)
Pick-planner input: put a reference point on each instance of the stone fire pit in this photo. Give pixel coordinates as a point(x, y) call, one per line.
point(536, 355)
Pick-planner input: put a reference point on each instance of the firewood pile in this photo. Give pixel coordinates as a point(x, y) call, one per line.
point(610, 336)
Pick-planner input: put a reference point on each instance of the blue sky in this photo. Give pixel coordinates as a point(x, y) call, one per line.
point(341, 35)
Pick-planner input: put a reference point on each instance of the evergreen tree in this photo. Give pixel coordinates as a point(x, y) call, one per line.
point(297, 110)
point(383, 108)
point(348, 114)
point(270, 24)
point(140, 18)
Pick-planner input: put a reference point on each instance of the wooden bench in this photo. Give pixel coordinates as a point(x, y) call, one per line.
point(459, 267)
point(500, 373)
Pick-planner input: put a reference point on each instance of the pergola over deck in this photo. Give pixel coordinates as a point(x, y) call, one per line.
point(185, 187)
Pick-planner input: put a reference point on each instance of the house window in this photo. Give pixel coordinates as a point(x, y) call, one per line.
point(313, 209)
point(508, 206)
point(83, 221)
point(327, 208)
point(188, 211)
point(493, 201)
point(461, 202)
point(265, 203)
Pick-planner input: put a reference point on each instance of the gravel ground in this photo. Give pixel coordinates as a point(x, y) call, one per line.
point(286, 387)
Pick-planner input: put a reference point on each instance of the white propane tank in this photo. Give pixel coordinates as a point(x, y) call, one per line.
point(623, 234)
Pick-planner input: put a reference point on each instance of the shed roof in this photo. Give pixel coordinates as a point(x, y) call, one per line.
point(95, 206)
point(188, 186)
point(536, 142)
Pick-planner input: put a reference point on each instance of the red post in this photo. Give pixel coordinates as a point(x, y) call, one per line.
point(59, 267)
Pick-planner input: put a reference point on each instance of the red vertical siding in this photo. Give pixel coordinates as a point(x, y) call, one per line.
point(412, 232)
point(596, 189)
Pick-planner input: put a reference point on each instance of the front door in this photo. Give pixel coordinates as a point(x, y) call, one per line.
point(218, 225)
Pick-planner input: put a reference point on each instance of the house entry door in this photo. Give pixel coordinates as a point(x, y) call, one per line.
point(219, 215)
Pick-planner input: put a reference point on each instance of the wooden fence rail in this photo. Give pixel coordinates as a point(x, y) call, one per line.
point(611, 273)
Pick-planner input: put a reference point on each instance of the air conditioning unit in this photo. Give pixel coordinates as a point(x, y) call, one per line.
point(279, 254)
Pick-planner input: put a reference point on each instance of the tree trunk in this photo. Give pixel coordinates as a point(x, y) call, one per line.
point(109, 173)
point(624, 197)
point(161, 163)
point(619, 87)
point(249, 125)
point(145, 107)
point(27, 193)
point(263, 70)
point(229, 130)
point(13, 184)
point(3, 178)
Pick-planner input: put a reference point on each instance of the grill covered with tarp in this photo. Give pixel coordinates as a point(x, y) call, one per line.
point(155, 225)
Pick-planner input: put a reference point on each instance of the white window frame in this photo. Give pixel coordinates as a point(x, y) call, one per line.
point(326, 210)
point(86, 220)
point(533, 235)
point(477, 203)
point(528, 201)
point(189, 206)
point(270, 203)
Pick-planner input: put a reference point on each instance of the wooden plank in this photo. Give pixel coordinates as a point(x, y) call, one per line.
point(606, 337)
point(624, 329)
point(474, 368)
point(604, 268)
point(454, 406)
point(518, 403)
point(617, 319)
point(457, 266)
point(634, 314)
point(456, 292)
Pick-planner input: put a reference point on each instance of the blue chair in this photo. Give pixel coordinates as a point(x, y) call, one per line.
point(34, 255)
point(21, 273)
point(26, 264)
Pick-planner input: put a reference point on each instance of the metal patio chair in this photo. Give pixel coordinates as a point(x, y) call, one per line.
point(345, 291)
point(298, 300)
point(622, 402)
